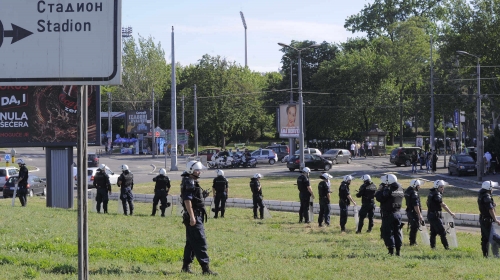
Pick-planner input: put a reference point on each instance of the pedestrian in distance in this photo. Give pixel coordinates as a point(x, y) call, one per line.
point(162, 187)
point(428, 161)
point(390, 195)
point(434, 161)
point(414, 209)
point(435, 205)
point(421, 156)
point(103, 187)
point(345, 200)
point(257, 195)
point(487, 216)
point(126, 184)
point(494, 162)
point(220, 189)
point(367, 194)
point(305, 194)
point(414, 159)
point(22, 182)
point(193, 202)
point(324, 199)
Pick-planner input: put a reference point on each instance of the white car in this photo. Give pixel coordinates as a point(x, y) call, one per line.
point(311, 151)
point(113, 178)
point(265, 156)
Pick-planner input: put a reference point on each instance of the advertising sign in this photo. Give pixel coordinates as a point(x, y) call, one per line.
point(289, 121)
point(46, 116)
point(138, 121)
point(63, 42)
point(182, 136)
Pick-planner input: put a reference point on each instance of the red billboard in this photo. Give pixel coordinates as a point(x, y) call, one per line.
point(45, 116)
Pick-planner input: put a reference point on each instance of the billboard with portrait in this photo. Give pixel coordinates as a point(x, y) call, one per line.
point(138, 121)
point(289, 121)
point(46, 116)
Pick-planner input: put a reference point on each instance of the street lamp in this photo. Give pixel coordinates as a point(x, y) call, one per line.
point(301, 102)
point(479, 130)
point(245, 26)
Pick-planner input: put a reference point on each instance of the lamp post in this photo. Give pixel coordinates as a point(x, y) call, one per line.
point(301, 102)
point(245, 26)
point(479, 130)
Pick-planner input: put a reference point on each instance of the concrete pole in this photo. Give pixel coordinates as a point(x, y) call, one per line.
point(431, 122)
point(301, 116)
point(195, 123)
point(173, 140)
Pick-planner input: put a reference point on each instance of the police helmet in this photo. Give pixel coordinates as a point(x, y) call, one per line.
point(193, 165)
point(348, 178)
point(20, 161)
point(102, 166)
point(439, 183)
point(391, 179)
point(257, 175)
point(366, 177)
point(325, 176)
point(489, 185)
point(163, 171)
point(383, 179)
point(124, 167)
point(220, 172)
point(416, 183)
point(306, 170)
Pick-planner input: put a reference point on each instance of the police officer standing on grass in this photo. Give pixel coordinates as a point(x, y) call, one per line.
point(324, 199)
point(487, 215)
point(22, 182)
point(434, 207)
point(413, 209)
point(257, 195)
point(193, 218)
point(220, 189)
point(103, 186)
point(126, 184)
point(390, 195)
point(305, 194)
point(367, 193)
point(162, 187)
point(345, 200)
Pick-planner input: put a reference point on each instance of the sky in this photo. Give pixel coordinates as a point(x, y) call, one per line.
point(215, 27)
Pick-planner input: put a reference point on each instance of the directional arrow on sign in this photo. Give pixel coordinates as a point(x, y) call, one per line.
point(17, 33)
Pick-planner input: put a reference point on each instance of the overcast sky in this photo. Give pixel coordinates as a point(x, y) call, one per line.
point(214, 27)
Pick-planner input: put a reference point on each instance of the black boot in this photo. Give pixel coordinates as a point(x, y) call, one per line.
point(300, 217)
point(391, 251)
point(105, 207)
point(186, 267)
point(163, 212)
point(222, 213)
point(261, 210)
point(398, 250)
point(216, 214)
point(207, 271)
point(484, 248)
point(255, 213)
point(154, 211)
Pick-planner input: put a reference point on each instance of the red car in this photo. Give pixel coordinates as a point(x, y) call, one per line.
point(207, 152)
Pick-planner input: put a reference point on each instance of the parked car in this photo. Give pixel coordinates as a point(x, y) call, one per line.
point(402, 155)
point(280, 150)
point(113, 178)
point(92, 160)
point(461, 165)
point(472, 152)
point(265, 156)
point(314, 162)
point(308, 151)
point(6, 173)
point(35, 186)
point(207, 152)
point(338, 156)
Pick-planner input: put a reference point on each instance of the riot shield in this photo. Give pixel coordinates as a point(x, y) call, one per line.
point(93, 195)
point(14, 195)
point(267, 214)
point(449, 226)
point(494, 240)
point(211, 208)
point(356, 215)
point(169, 209)
point(424, 234)
point(180, 209)
point(311, 209)
point(119, 210)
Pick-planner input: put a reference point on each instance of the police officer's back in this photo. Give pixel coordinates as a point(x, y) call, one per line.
point(103, 186)
point(366, 193)
point(220, 189)
point(487, 217)
point(162, 187)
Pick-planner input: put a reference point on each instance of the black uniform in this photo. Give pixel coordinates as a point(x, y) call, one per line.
point(412, 199)
point(196, 242)
point(103, 186)
point(367, 193)
point(486, 203)
point(324, 203)
point(257, 198)
point(434, 217)
point(391, 199)
point(162, 187)
point(304, 196)
point(23, 184)
point(126, 187)
point(343, 203)
point(220, 185)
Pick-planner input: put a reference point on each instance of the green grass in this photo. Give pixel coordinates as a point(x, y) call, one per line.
point(41, 243)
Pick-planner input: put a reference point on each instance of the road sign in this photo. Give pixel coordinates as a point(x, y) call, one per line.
point(7, 157)
point(63, 42)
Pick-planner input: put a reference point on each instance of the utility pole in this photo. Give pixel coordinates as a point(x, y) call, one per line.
point(431, 124)
point(195, 123)
point(153, 134)
point(245, 26)
point(173, 140)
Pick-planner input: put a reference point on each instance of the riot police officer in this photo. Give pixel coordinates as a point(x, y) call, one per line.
point(22, 182)
point(162, 187)
point(344, 200)
point(193, 218)
point(126, 184)
point(103, 186)
point(305, 194)
point(367, 193)
point(434, 207)
point(257, 195)
point(413, 209)
point(324, 199)
point(390, 195)
point(487, 215)
point(220, 190)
